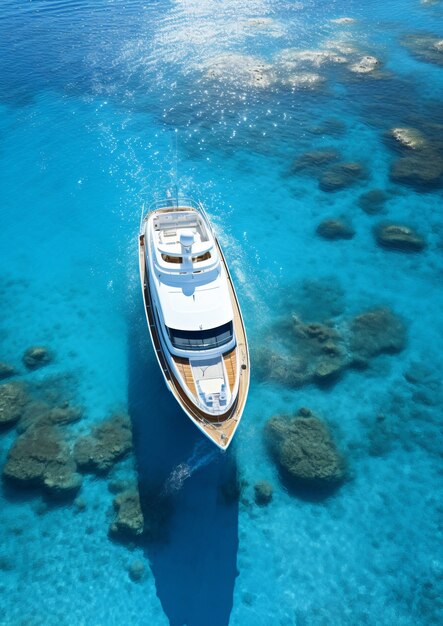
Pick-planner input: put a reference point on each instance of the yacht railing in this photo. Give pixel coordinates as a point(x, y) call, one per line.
point(171, 201)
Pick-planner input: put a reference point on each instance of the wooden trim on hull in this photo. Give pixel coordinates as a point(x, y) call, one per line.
point(221, 428)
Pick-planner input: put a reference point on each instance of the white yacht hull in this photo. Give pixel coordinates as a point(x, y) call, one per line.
point(179, 371)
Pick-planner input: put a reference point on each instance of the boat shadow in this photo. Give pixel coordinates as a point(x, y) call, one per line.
point(188, 496)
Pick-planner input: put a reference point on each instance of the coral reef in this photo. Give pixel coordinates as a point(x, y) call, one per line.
point(296, 69)
point(328, 369)
point(107, 443)
point(13, 398)
point(422, 169)
point(291, 59)
point(304, 451)
point(243, 70)
point(263, 492)
point(129, 521)
point(376, 331)
point(373, 201)
point(317, 352)
point(322, 346)
point(335, 229)
point(409, 138)
point(311, 161)
point(421, 162)
point(136, 570)
point(417, 171)
point(365, 65)
point(341, 176)
point(425, 47)
point(41, 456)
point(6, 371)
point(290, 67)
point(398, 237)
point(37, 356)
point(43, 414)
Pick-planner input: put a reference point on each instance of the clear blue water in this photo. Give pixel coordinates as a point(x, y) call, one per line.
point(96, 98)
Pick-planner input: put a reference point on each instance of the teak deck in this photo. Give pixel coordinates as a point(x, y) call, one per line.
point(219, 428)
point(230, 360)
point(185, 370)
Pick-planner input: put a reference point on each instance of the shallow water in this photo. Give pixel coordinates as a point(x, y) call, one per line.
point(103, 104)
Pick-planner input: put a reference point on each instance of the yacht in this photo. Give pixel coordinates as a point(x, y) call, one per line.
point(193, 316)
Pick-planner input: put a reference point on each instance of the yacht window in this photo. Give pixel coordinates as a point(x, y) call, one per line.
point(179, 259)
point(172, 259)
point(201, 339)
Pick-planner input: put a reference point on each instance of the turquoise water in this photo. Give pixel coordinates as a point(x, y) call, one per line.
point(103, 104)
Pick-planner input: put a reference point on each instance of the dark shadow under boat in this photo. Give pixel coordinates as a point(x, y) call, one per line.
point(184, 484)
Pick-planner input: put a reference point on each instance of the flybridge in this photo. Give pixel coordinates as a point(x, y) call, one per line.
point(183, 244)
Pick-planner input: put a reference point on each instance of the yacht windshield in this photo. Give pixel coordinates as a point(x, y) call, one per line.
point(201, 339)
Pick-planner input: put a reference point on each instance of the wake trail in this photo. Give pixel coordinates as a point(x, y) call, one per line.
point(183, 471)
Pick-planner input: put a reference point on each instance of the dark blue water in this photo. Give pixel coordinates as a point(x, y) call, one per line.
point(103, 104)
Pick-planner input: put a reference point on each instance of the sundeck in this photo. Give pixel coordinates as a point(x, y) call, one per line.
point(194, 317)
